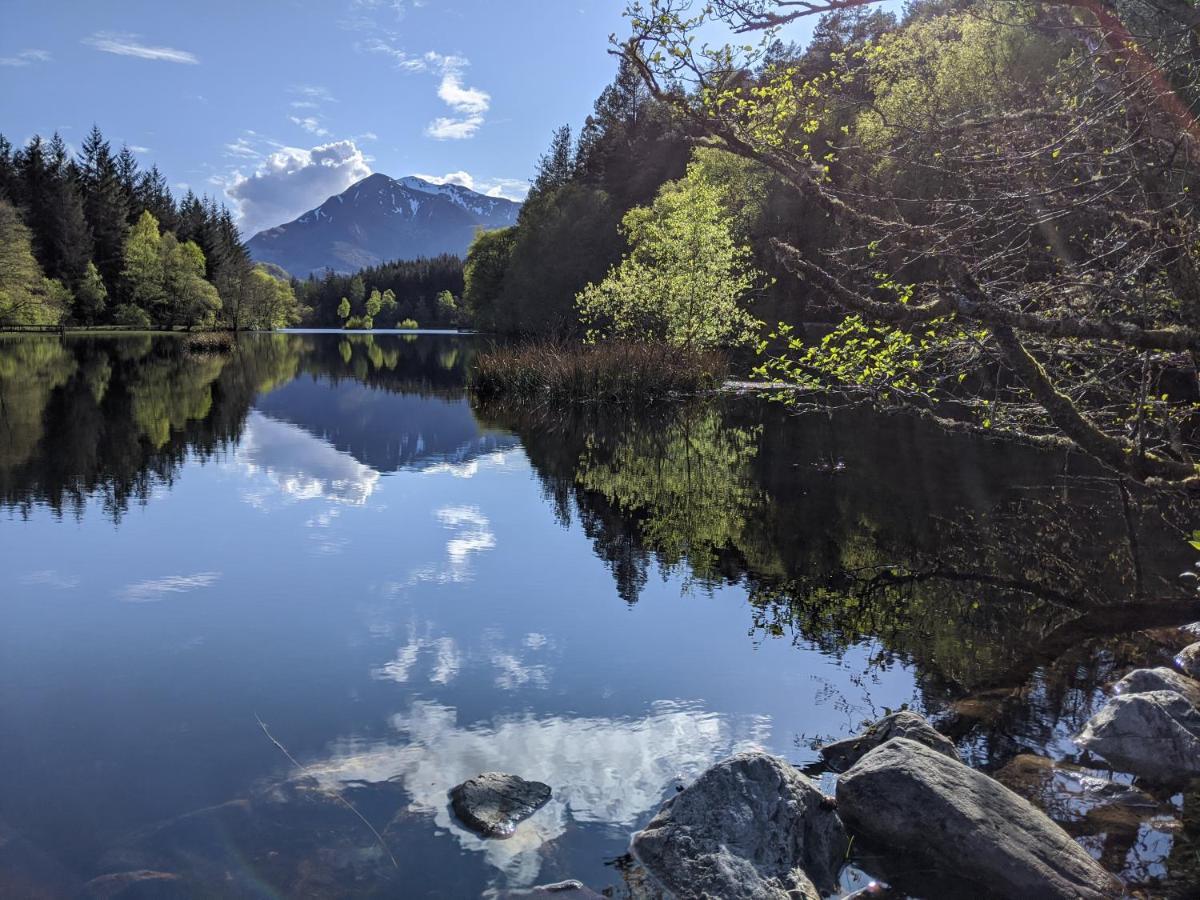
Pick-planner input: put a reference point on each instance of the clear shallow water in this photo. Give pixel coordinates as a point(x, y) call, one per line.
point(322, 532)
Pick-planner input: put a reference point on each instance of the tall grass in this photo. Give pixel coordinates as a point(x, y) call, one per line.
point(624, 373)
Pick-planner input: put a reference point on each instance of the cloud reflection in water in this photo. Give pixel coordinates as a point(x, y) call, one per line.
point(603, 771)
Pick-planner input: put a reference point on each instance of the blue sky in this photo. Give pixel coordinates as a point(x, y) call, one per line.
point(274, 105)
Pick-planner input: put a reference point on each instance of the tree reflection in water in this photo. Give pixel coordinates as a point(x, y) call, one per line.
point(1018, 583)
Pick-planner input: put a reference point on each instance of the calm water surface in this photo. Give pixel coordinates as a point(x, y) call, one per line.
point(322, 532)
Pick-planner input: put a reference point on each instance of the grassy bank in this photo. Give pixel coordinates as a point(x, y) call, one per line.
point(598, 373)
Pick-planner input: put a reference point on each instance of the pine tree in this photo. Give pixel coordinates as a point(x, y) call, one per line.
point(8, 170)
point(105, 204)
point(557, 165)
point(153, 196)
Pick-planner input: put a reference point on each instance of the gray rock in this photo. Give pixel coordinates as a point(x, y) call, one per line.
point(749, 828)
point(493, 804)
point(1141, 681)
point(841, 755)
point(921, 808)
point(1188, 660)
point(1154, 734)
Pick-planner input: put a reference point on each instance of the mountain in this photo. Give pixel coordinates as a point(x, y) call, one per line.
point(380, 219)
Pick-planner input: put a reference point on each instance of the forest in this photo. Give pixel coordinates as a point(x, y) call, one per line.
point(979, 211)
point(95, 240)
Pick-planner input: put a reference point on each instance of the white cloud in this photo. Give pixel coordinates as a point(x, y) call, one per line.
point(508, 188)
point(137, 148)
point(129, 45)
point(25, 58)
point(291, 181)
point(311, 124)
point(465, 100)
point(243, 149)
point(468, 104)
point(157, 588)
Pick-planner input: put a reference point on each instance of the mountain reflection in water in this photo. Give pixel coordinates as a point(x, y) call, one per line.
point(323, 530)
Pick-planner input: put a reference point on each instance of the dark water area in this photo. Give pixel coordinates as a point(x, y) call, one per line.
point(323, 535)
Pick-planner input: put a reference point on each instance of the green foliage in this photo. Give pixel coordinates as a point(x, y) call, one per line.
point(91, 296)
point(407, 324)
point(268, 302)
point(82, 214)
point(26, 296)
point(524, 280)
point(684, 280)
point(129, 316)
point(447, 308)
point(374, 303)
point(487, 263)
point(343, 309)
point(165, 278)
point(360, 323)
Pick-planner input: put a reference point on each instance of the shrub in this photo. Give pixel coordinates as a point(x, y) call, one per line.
point(130, 316)
point(408, 324)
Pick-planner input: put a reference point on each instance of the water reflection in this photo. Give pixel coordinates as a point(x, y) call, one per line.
point(323, 529)
point(602, 771)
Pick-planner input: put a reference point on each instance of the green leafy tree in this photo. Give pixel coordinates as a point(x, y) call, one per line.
point(374, 303)
point(190, 300)
point(142, 274)
point(270, 302)
point(343, 310)
point(487, 263)
point(447, 308)
point(91, 296)
point(684, 281)
point(26, 296)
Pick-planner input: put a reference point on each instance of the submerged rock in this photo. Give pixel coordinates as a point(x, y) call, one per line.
point(1076, 797)
point(493, 804)
point(1188, 660)
point(841, 755)
point(1155, 734)
point(1141, 681)
point(749, 828)
point(921, 808)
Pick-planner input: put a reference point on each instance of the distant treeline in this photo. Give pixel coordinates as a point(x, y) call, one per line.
point(95, 240)
point(421, 292)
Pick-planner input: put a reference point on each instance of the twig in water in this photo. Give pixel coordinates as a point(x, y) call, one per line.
point(337, 796)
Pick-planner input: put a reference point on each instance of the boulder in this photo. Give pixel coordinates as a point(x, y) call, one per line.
point(841, 755)
point(749, 828)
point(923, 810)
point(1188, 660)
point(1154, 734)
point(493, 804)
point(1141, 681)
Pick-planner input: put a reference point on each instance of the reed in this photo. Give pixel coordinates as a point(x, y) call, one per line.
point(619, 373)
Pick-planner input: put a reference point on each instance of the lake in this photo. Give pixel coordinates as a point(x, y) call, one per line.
point(312, 545)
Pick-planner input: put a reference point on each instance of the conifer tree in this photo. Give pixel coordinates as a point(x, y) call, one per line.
point(105, 204)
